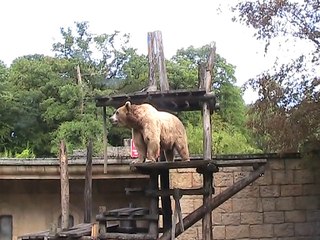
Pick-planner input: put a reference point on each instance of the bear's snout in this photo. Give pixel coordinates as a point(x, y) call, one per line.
point(113, 119)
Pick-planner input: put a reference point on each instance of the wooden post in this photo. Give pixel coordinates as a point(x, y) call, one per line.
point(200, 212)
point(152, 61)
point(81, 88)
point(64, 178)
point(102, 224)
point(165, 200)
point(105, 140)
point(164, 84)
point(156, 61)
point(88, 185)
point(154, 201)
point(207, 145)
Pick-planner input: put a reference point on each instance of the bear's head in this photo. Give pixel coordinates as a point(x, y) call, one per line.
point(120, 117)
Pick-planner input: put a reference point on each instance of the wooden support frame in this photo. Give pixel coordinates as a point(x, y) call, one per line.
point(64, 181)
point(88, 185)
point(200, 212)
point(205, 82)
point(165, 199)
point(105, 140)
point(154, 201)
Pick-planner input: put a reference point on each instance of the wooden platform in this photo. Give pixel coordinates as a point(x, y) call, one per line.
point(171, 100)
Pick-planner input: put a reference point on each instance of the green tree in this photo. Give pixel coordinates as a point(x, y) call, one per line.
point(229, 132)
point(286, 114)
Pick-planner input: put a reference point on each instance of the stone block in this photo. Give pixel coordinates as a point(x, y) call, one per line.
point(197, 202)
point(265, 179)
point(291, 190)
point(285, 203)
point(236, 232)
point(311, 189)
point(303, 176)
point(186, 205)
point(293, 164)
point(197, 180)
point(273, 217)
point(270, 191)
point(261, 231)
point(237, 176)
point(313, 215)
point(244, 204)
point(230, 218)
point(216, 218)
point(282, 177)
point(222, 179)
point(251, 218)
point(185, 170)
point(284, 230)
point(219, 232)
point(225, 207)
point(190, 233)
point(181, 180)
point(276, 164)
point(268, 204)
point(307, 202)
point(230, 169)
point(304, 229)
point(295, 216)
point(248, 191)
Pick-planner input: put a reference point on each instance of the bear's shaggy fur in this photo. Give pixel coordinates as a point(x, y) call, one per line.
point(153, 130)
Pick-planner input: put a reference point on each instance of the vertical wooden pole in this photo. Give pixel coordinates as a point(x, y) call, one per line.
point(105, 141)
point(81, 88)
point(154, 201)
point(164, 84)
point(165, 200)
point(88, 185)
point(64, 178)
point(207, 146)
point(152, 61)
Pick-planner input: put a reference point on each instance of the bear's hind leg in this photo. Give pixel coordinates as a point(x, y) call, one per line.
point(153, 150)
point(183, 151)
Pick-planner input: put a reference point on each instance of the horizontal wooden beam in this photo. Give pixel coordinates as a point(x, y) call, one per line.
point(125, 236)
point(166, 192)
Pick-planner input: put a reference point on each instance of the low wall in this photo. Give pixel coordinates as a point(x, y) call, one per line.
point(283, 204)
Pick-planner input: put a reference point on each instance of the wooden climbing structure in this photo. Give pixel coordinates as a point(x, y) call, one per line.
point(176, 100)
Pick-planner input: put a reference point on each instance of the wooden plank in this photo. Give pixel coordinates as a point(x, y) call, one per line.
point(200, 212)
point(88, 185)
point(168, 192)
point(64, 182)
point(125, 236)
point(165, 199)
point(154, 201)
point(105, 140)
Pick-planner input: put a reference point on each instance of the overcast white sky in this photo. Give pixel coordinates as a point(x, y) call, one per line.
point(29, 27)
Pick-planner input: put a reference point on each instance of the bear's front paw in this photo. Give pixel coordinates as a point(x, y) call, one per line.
point(136, 161)
point(149, 160)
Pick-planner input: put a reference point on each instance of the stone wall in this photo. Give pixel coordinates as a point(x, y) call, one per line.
point(283, 204)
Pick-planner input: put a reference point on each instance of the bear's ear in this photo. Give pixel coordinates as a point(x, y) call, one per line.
point(128, 105)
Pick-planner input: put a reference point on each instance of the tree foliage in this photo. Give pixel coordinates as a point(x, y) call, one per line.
point(46, 99)
point(286, 114)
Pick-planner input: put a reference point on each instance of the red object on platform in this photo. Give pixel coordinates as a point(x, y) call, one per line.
point(133, 152)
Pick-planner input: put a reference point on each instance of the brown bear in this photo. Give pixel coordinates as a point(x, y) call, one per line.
point(153, 130)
